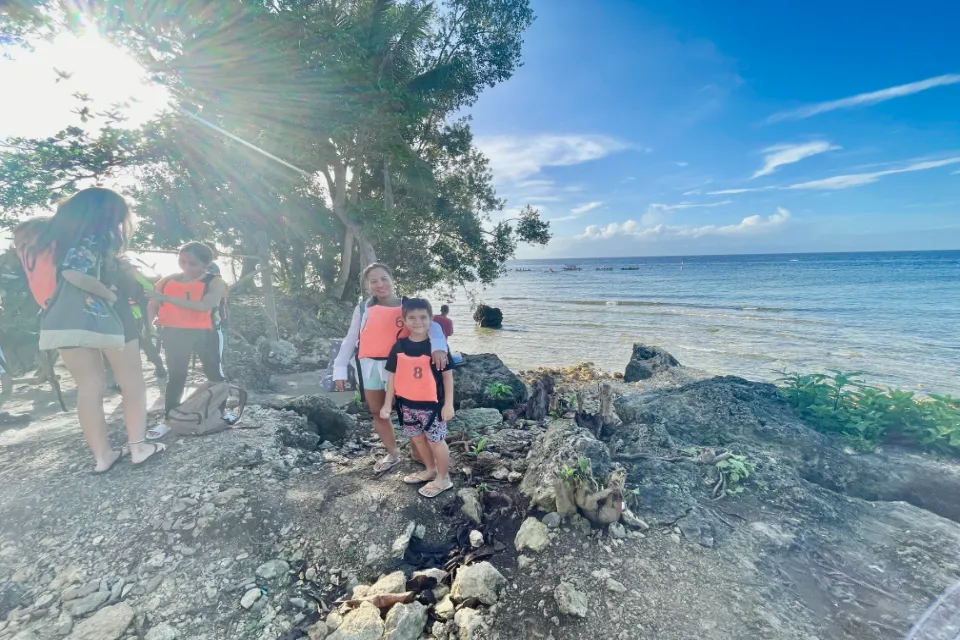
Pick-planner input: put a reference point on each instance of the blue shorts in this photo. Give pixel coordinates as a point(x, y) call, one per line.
point(374, 374)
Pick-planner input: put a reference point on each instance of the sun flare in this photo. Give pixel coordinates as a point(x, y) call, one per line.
point(74, 80)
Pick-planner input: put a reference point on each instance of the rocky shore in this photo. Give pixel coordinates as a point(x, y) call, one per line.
point(673, 505)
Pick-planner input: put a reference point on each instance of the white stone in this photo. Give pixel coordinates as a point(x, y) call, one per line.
point(533, 535)
point(481, 581)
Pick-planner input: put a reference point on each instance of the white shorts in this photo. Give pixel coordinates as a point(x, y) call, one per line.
point(374, 374)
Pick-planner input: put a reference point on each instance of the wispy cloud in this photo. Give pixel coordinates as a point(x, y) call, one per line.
point(846, 181)
point(860, 179)
point(783, 154)
point(577, 212)
point(515, 159)
point(682, 164)
point(632, 228)
point(864, 99)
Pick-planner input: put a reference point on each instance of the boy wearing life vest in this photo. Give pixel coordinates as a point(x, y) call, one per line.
point(186, 308)
point(374, 329)
point(423, 396)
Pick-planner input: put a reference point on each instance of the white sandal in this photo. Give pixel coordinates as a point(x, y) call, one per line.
point(157, 432)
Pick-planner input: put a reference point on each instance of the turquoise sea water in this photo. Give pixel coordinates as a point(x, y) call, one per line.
point(893, 315)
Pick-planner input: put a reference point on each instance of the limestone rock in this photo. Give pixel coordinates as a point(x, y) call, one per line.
point(405, 622)
point(471, 504)
point(564, 443)
point(88, 604)
point(395, 582)
point(324, 418)
point(570, 601)
point(475, 420)
point(481, 581)
point(473, 382)
point(108, 624)
point(646, 362)
point(400, 545)
point(476, 539)
point(273, 570)
point(363, 623)
point(250, 597)
point(552, 520)
point(318, 631)
point(533, 535)
point(469, 623)
point(444, 609)
point(162, 632)
point(488, 317)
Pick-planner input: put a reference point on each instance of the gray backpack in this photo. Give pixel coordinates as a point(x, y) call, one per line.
point(201, 414)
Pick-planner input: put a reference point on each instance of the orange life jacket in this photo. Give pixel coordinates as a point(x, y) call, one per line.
point(41, 274)
point(414, 379)
point(380, 332)
point(170, 315)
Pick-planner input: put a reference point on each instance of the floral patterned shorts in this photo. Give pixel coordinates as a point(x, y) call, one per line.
point(416, 422)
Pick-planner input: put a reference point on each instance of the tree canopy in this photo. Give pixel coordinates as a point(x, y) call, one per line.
point(364, 97)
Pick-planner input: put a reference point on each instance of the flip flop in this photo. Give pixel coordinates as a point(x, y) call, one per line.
point(158, 448)
point(385, 465)
point(415, 478)
point(432, 491)
point(157, 432)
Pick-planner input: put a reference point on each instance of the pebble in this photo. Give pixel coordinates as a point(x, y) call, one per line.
point(85, 605)
point(250, 598)
point(162, 631)
point(552, 520)
point(273, 569)
point(476, 539)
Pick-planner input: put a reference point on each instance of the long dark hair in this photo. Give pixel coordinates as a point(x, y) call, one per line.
point(95, 212)
point(372, 300)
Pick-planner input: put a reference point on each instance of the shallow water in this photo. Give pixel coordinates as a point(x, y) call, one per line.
point(894, 315)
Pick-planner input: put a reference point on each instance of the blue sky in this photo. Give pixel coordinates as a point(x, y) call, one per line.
point(658, 128)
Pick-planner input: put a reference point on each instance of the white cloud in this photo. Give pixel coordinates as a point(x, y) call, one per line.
point(682, 164)
point(860, 179)
point(846, 181)
point(783, 154)
point(517, 158)
point(576, 212)
point(584, 208)
point(655, 213)
point(864, 99)
point(631, 228)
point(627, 179)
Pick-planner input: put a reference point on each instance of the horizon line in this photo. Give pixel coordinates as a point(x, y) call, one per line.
point(738, 255)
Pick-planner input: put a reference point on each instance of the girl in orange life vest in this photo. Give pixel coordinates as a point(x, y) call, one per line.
point(375, 327)
point(81, 240)
point(424, 398)
point(186, 308)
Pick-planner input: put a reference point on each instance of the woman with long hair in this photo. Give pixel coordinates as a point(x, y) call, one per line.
point(377, 324)
point(81, 244)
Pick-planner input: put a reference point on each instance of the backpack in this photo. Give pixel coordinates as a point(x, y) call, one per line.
point(200, 413)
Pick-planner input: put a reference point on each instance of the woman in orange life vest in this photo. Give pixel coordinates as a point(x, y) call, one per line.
point(186, 308)
point(376, 325)
point(79, 242)
point(424, 398)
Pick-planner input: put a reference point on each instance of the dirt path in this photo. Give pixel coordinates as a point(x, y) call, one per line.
point(233, 536)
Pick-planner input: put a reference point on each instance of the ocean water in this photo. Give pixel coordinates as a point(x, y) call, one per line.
point(895, 316)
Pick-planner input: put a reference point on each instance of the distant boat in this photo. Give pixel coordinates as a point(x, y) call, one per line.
point(629, 268)
point(604, 269)
point(571, 267)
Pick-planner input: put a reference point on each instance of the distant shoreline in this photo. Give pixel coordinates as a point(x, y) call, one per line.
point(687, 256)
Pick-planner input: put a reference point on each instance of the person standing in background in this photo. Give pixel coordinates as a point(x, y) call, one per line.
point(444, 321)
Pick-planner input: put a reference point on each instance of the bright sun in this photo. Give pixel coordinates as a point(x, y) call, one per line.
point(39, 101)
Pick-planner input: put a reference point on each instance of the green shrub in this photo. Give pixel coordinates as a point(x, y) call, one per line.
point(499, 391)
point(867, 416)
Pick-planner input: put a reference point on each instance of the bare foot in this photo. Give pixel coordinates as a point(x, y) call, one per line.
point(107, 463)
point(142, 451)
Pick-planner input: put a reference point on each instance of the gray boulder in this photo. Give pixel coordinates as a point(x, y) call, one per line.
point(405, 622)
point(363, 623)
point(108, 624)
point(484, 381)
point(564, 443)
point(470, 420)
point(325, 419)
point(647, 361)
point(570, 601)
point(481, 581)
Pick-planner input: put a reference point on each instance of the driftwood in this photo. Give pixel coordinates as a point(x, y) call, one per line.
point(539, 404)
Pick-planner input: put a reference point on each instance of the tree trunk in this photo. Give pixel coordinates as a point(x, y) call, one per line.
point(387, 189)
point(249, 266)
point(298, 266)
point(346, 261)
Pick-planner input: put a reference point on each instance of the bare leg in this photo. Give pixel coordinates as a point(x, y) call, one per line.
point(419, 451)
point(86, 368)
point(419, 443)
point(440, 453)
point(384, 428)
point(128, 370)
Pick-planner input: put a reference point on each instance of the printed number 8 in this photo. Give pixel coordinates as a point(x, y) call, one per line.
point(418, 372)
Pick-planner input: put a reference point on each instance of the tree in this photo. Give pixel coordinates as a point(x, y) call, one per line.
point(357, 93)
